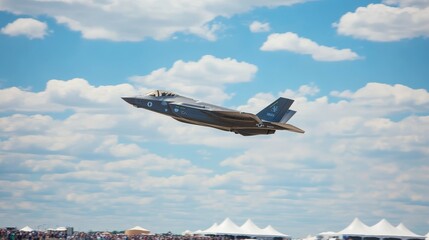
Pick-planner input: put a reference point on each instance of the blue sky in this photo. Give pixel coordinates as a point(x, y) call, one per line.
point(73, 153)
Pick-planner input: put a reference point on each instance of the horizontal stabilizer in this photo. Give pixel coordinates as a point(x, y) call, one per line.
point(287, 116)
point(289, 127)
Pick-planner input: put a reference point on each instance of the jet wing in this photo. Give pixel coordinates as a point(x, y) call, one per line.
point(287, 126)
point(236, 116)
point(223, 113)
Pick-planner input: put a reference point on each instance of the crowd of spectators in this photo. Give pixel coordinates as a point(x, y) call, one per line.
point(13, 234)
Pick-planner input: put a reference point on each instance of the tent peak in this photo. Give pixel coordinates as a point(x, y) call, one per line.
point(26, 229)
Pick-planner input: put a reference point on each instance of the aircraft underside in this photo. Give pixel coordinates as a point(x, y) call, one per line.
point(245, 131)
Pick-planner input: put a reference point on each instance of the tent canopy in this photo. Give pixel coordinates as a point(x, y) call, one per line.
point(270, 231)
point(26, 229)
point(187, 233)
point(137, 230)
point(228, 227)
point(210, 230)
point(405, 231)
point(381, 229)
point(355, 228)
point(250, 227)
point(384, 228)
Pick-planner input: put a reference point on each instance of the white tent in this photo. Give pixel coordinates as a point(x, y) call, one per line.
point(327, 235)
point(309, 237)
point(137, 230)
point(61, 229)
point(210, 230)
point(405, 231)
point(187, 233)
point(250, 228)
point(270, 231)
point(26, 229)
point(427, 236)
point(384, 228)
point(228, 227)
point(355, 228)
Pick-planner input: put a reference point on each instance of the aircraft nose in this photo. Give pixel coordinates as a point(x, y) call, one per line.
point(129, 100)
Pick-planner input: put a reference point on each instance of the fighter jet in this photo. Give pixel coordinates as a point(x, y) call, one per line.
point(188, 110)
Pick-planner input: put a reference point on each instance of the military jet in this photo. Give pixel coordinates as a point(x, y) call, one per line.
point(188, 110)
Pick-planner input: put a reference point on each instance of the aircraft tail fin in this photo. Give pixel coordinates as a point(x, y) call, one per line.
point(278, 111)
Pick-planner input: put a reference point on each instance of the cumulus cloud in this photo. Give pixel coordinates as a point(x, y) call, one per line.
point(361, 146)
point(391, 98)
point(261, 100)
point(60, 95)
point(23, 123)
point(28, 27)
point(204, 79)
point(257, 26)
point(347, 137)
point(407, 3)
point(292, 42)
point(364, 114)
point(385, 23)
point(136, 20)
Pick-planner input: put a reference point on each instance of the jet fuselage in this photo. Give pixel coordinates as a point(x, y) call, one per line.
point(196, 112)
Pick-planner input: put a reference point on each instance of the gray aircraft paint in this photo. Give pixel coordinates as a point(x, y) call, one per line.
point(188, 110)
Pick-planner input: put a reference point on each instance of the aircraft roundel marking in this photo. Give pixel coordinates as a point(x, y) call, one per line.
point(149, 104)
point(176, 110)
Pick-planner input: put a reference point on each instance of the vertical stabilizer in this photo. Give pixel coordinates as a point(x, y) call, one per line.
point(277, 111)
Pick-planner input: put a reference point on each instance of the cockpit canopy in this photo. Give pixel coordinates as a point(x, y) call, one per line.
point(161, 93)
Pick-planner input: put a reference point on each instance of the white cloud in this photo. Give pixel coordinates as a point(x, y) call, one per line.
point(54, 142)
point(204, 79)
point(292, 42)
point(371, 140)
point(387, 98)
point(257, 26)
point(261, 100)
point(112, 146)
point(22, 123)
point(408, 3)
point(50, 163)
point(383, 23)
point(60, 95)
point(28, 27)
point(344, 142)
point(132, 20)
